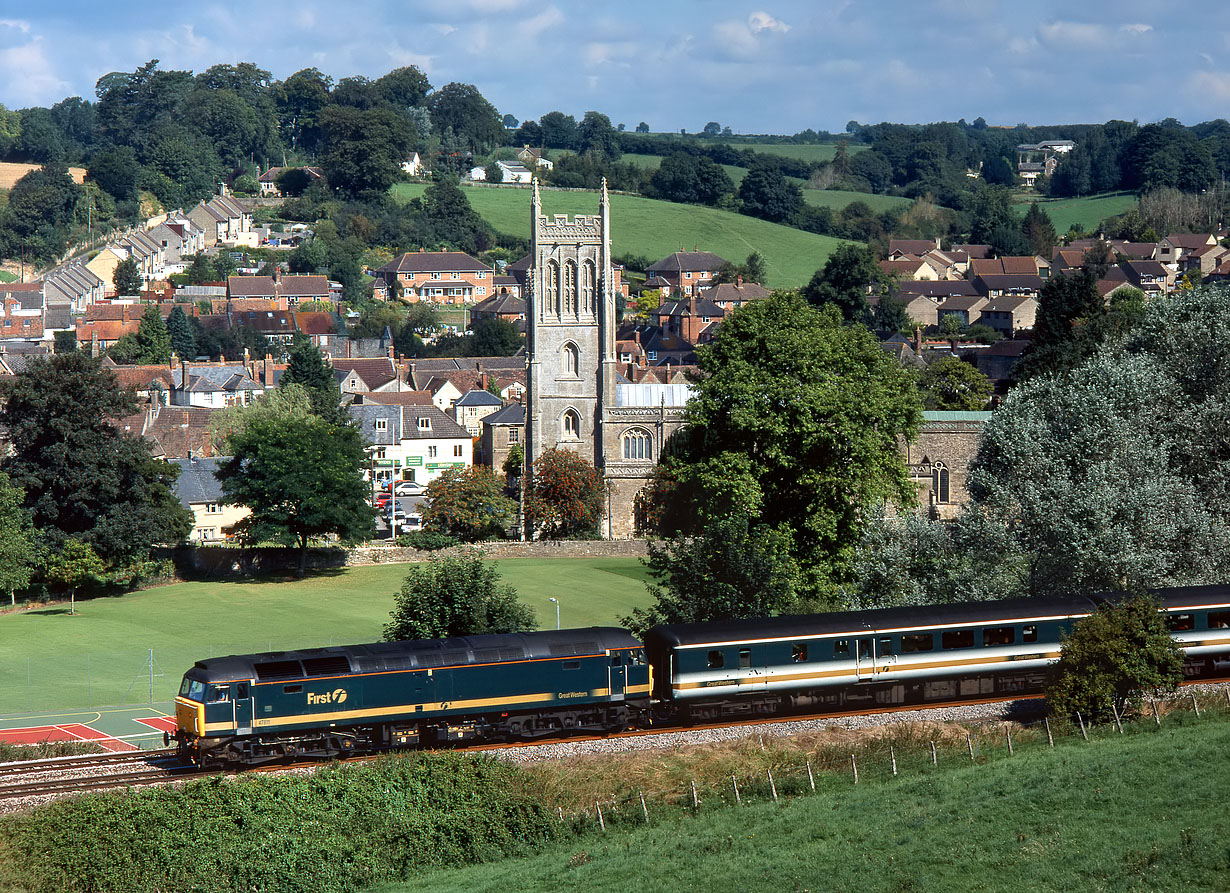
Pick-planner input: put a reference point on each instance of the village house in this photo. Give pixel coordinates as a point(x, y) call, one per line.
point(199, 491)
point(410, 443)
point(502, 430)
point(438, 277)
point(472, 407)
point(687, 272)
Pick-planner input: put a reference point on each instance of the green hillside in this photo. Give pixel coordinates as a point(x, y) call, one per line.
point(656, 228)
point(1085, 212)
point(838, 198)
point(809, 152)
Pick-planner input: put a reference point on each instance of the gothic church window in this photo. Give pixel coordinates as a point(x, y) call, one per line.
point(570, 288)
point(571, 425)
point(550, 285)
point(638, 444)
point(587, 287)
point(570, 361)
point(939, 482)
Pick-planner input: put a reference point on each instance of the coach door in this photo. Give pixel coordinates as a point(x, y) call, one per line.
point(864, 659)
point(619, 675)
point(243, 708)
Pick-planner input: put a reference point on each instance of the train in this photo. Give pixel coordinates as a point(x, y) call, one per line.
point(245, 710)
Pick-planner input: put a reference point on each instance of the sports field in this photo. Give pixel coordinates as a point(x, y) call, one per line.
point(656, 229)
point(117, 650)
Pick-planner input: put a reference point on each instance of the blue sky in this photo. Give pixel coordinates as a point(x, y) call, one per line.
point(763, 66)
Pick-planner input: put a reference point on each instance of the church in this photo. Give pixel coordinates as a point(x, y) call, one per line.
point(576, 397)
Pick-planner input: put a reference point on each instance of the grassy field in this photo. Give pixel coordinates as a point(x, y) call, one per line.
point(838, 199)
point(6, 276)
point(11, 172)
point(809, 152)
point(1140, 811)
point(1086, 212)
point(656, 228)
point(95, 656)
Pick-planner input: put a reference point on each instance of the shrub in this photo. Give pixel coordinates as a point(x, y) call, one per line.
point(426, 540)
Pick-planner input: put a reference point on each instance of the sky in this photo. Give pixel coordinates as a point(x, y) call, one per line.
point(765, 66)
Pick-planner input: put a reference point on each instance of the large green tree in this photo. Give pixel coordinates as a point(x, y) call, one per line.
point(952, 383)
point(83, 476)
point(308, 369)
point(794, 423)
point(468, 503)
point(364, 148)
point(463, 110)
point(845, 280)
point(766, 192)
point(19, 551)
point(1116, 474)
point(456, 595)
point(183, 340)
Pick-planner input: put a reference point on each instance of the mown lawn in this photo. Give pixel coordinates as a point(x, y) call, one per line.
point(1135, 812)
point(656, 229)
point(1085, 212)
point(93, 657)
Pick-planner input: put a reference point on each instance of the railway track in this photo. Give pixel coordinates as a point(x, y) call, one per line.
point(96, 772)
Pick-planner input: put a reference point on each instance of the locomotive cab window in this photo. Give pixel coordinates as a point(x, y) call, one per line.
point(917, 642)
point(192, 689)
point(1029, 632)
point(745, 658)
point(957, 638)
point(841, 648)
point(1180, 622)
point(717, 660)
point(637, 657)
point(219, 693)
point(998, 635)
point(798, 652)
point(1219, 620)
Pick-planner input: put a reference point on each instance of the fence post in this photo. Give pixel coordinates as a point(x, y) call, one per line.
point(1195, 706)
point(1115, 710)
point(772, 786)
point(1008, 735)
point(969, 742)
point(734, 781)
point(893, 756)
point(561, 814)
point(811, 779)
point(644, 808)
point(1156, 718)
point(1049, 737)
point(854, 766)
point(934, 759)
point(598, 809)
point(1080, 719)
point(695, 799)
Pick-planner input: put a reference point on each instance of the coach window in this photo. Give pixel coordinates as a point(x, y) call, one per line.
point(1029, 632)
point(885, 649)
point(1219, 620)
point(717, 660)
point(998, 635)
point(798, 652)
point(745, 658)
point(917, 642)
point(1180, 622)
point(841, 648)
point(637, 657)
point(957, 638)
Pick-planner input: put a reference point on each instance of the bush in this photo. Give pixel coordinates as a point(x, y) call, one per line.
point(426, 540)
point(341, 829)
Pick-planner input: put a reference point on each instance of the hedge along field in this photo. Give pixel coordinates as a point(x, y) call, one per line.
point(809, 152)
point(1086, 212)
point(656, 229)
point(51, 660)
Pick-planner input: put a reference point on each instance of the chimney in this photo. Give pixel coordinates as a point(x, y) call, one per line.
point(174, 361)
point(739, 281)
point(918, 340)
point(390, 352)
point(482, 380)
point(267, 371)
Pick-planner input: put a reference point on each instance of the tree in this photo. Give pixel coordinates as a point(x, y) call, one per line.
point(308, 369)
point(1112, 657)
point(1039, 231)
point(713, 128)
point(461, 108)
point(766, 193)
point(127, 278)
point(795, 424)
point(844, 281)
point(494, 173)
point(1112, 476)
point(690, 179)
point(82, 474)
point(642, 127)
point(495, 337)
point(456, 595)
point(596, 135)
point(301, 478)
point(404, 87)
point(153, 341)
point(364, 149)
point(183, 341)
point(469, 504)
point(115, 170)
point(19, 552)
point(564, 497)
point(74, 565)
point(732, 570)
point(559, 131)
point(952, 383)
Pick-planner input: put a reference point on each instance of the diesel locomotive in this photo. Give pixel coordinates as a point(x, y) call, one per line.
point(327, 702)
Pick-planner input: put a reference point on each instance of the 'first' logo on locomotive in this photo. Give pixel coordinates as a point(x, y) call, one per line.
point(337, 696)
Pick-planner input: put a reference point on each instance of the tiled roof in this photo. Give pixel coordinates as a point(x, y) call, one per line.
point(434, 262)
point(478, 398)
point(512, 414)
point(688, 262)
point(196, 484)
point(374, 371)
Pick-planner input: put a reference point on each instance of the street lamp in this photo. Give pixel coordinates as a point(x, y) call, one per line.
point(556, 603)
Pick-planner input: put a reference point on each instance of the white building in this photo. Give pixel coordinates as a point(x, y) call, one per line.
point(411, 443)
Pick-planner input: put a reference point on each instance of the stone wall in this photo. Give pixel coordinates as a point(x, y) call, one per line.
point(495, 550)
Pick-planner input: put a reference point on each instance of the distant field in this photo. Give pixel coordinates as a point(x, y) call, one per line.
point(11, 172)
point(809, 152)
point(656, 228)
point(1086, 212)
point(53, 661)
point(837, 199)
point(6, 276)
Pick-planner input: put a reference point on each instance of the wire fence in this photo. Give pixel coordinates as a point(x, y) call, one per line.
point(830, 768)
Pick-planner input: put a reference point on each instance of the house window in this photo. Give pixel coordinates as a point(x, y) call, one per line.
point(431, 452)
point(424, 423)
point(571, 360)
point(208, 533)
point(213, 508)
point(625, 358)
point(480, 275)
point(572, 425)
point(939, 482)
point(435, 275)
point(382, 424)
point(638, 444)
point(687, 275)
point(457, 450)
point(379, 453)
point(653, 354)
point(482, 289)
point(514, 435)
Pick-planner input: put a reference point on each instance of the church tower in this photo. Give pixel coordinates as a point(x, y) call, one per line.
point(570, 336)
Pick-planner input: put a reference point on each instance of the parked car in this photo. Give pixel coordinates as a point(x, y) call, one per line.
point(408, 488)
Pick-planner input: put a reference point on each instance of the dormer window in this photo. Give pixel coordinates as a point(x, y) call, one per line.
point(382, 424)
point(424, 423)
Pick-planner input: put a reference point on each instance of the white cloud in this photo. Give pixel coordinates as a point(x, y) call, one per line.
point(762, 21)
point(618, 52)
point(1137, 28)
point(18, 25)
point(532, 27)
point(742, 40)
point(1075, 34)
point(27, 77)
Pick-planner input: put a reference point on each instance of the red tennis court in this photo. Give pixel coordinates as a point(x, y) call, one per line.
point(66, 732)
